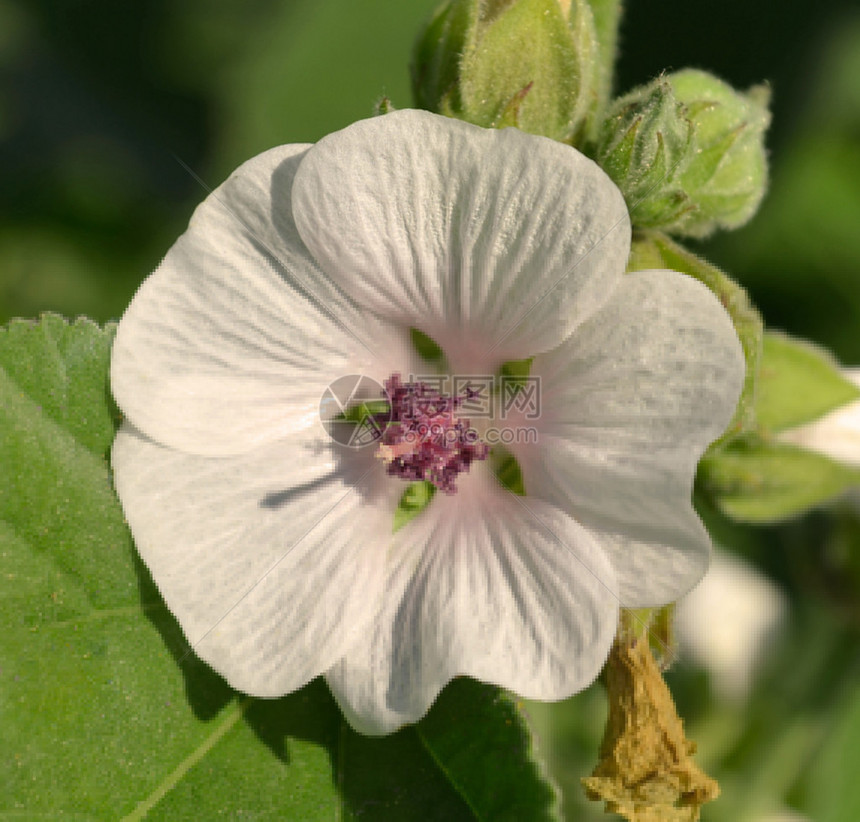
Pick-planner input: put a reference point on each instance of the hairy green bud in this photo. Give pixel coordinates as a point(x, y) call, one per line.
point(526, 63)
point(688, 153)
point(643, 144)
point(727, 174)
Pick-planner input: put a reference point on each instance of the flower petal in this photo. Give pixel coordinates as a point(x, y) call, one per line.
point(272, 561)
point(629, 404)
point(233, 339)
point(487, 240)
point(505, 590)
point(836, 434)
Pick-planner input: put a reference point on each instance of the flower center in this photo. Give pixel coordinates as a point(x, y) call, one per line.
point(425, 439)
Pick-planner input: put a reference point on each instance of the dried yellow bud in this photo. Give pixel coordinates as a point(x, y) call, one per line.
point(645, 773)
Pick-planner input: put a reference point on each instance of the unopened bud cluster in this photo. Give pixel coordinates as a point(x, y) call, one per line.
point(688, 152)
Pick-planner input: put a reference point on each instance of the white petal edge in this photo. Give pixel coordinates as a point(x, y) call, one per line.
point(836, 434)
point(629, 404)
point(272, 562)
point(231, 342)
point(494, 242)
point(508, 591)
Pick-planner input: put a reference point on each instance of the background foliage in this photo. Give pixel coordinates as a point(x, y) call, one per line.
point(115, 118)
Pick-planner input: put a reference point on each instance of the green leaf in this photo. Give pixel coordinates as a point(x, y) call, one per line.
point(753, 480)
point(295, 758)
point(63, 368)
point(651, 249)
point(106, 714)
point(478, 736)
point(798, 382)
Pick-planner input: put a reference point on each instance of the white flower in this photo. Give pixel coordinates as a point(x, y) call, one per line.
point(275, 548)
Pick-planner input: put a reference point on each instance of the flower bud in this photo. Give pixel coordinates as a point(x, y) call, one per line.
point(524, 63)
point(436, 55)
point(687, 151)
point(644, 142)
point(727, 173)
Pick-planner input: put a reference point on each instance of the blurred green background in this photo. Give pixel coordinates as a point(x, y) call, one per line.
point(105, 106)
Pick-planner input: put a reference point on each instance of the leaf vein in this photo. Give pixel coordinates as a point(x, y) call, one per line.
point(457, 787)
point(176, 775)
